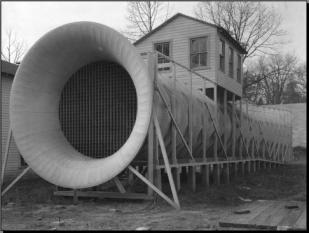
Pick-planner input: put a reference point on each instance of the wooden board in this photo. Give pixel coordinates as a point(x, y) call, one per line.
point(270, 215)
point(99, 194)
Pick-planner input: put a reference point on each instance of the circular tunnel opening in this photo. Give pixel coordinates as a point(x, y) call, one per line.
point(97, 109)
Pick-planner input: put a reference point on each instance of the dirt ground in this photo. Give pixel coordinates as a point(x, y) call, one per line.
point(30, 204)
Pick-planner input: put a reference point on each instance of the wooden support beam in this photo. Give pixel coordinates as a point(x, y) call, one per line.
point(15, 180)
point(119, 185)
point(240, 126)
point(192, 178)
point(159, 192)
point(103, 194)
point(215, 146)
point(190, 113)
point(174, 122)
point(233, 126)
point(175, 171)
point(224, 117)
point(165, 158)
point(151, 159)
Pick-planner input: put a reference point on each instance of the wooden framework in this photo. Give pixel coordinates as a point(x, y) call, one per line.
point(244, 159)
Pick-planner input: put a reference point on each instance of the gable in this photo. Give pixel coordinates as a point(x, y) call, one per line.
point(180, 16)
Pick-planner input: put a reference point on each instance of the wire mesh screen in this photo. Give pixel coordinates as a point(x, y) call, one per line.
point(98, 109)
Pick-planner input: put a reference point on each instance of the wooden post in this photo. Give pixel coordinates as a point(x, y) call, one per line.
point(190, 114)
point(215, 146)
point(15, 180)
point(165, 158)
point(233, 127)
point(158, 191)
point(242, 168)
point(224, 117)
point(235, 169)
point(226, 168)
point(240, 127)
point(150, 155)
point(175, 170)
point(205, 175)
point(192, 177)
point(248, 166)
point(216, 173)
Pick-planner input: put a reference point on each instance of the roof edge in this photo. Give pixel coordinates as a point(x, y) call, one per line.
point(220, 29)
point(8, 68)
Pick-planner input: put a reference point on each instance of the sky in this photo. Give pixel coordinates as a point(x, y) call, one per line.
point(31, 20)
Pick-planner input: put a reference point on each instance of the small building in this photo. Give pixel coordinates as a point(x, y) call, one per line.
point(15, 163)
point(203, 47)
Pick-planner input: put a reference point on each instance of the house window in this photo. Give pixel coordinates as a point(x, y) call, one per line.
point(198, 52)
point(163, 47)
point(210, 92)
point(239, 68)
point(222, 55)
point(231, 61)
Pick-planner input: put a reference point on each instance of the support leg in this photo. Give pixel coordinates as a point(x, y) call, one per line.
point(226, 168)
point(205, 175)
point(216, 174)
point(192, 180)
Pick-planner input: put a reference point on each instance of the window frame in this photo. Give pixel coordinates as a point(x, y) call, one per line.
point(238, 70)
point(207, 52)
point(231, 61)
point(222, 46)
point(170, 50)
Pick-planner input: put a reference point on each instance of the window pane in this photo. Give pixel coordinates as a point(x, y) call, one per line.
point(159, 47)
point(222, 48)
point(194, 46)
point(203, 59)
point(194, 61)
point(166, 49)
point(202, 44)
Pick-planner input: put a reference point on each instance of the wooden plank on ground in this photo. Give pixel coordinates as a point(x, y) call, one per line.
point(100, 194)
point(292, 216)
point(301, 223)
point(238, 220)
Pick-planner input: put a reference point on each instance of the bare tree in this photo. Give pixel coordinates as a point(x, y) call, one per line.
point(143, 16)
point(254, 25)
point(269, 78)
point(12, 49)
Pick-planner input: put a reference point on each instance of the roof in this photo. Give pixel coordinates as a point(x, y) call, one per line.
point(220, 30)
point(8, 68)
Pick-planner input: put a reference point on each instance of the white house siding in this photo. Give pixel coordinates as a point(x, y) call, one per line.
point(179, 31)
point(13, 163)
point(223, 78)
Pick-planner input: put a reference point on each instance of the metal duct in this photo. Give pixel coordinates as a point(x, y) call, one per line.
point(81, 105)
point(36, 94)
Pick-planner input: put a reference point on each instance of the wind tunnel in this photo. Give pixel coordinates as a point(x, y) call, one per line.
point(81, 105)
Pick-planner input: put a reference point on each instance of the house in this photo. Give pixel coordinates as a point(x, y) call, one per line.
point(15, 163)
point(203, 47)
